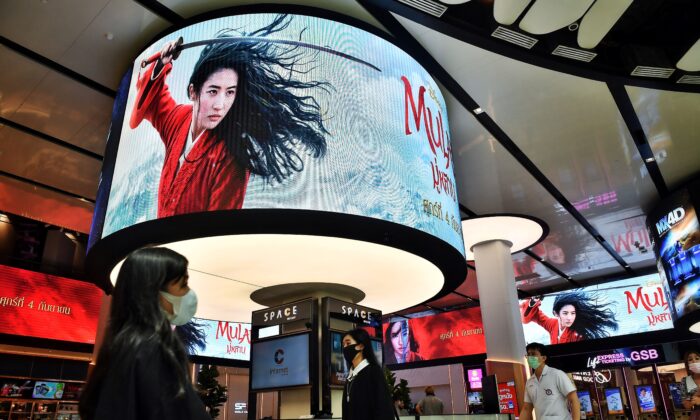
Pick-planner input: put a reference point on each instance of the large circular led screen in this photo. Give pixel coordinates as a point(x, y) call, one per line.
point(272, 111)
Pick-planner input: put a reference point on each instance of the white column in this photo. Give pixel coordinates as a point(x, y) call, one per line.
point(503, 329)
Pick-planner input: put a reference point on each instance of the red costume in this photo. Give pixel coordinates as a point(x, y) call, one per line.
point(209, 177)
point(533, 313)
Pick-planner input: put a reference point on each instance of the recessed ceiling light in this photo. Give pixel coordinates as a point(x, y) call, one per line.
point(649, 160)
point(478, 111)
point(109, 36)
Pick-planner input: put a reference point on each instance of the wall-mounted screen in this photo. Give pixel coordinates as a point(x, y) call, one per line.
point(220, 339)
point(630, 306)
point(645, 398)
point(48, 390)
point(584, 398)
point(675, 227)
point(306, 113)
point(280, 362)
point(16, 388)
point(475, 398)
point(435, 336)
point(613, 397)
point(45, 306)
point(339, 367)
point(675, 391)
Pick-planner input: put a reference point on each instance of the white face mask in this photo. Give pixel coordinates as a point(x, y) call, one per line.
point(694, 367)
point(184, 307)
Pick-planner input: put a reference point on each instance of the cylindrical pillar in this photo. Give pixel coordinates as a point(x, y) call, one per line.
point(503, 329)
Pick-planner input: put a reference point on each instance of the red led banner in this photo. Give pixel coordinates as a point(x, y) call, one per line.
point(449, 334)
point(45, 306)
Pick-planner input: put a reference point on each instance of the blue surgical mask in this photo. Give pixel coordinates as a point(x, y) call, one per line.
point(184, 307)
point(533, 361)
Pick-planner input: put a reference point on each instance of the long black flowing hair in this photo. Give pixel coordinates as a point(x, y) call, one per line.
point(593, 320)
point(362, 337)
point(389, 351)
point(192, 335)
point(136, 318)
point(274, 113)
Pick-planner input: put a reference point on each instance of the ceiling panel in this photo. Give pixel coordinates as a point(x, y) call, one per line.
point(189, 8)
point(489, 180)
point(569, 127)
point(671, 124)
point(450, 301)
point(50, 207)
point(61, 107)
point(131, 26)
point(42, 26)
point(20, 76)
point(47, 163)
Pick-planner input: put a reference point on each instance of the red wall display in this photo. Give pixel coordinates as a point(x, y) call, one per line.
point(45, 306)
point(507, 401)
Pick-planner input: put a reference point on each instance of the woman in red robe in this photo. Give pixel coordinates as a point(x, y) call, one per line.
point(244, 118)
point(577, 316)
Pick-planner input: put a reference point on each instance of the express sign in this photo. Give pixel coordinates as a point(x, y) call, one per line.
point(626, 356)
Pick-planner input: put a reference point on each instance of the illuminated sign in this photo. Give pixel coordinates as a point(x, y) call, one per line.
point(45, 306)
point(635, 356)
point(623, 307)
point(309, 114)
point(355, 313)
point(668, 221)
point(474, 377)
point(221, 339)
point(283, 313)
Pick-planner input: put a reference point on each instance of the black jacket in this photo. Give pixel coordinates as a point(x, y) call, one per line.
point(142, 390)
point(369, 397)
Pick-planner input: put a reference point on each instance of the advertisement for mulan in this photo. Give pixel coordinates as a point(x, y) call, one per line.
point(281, 111)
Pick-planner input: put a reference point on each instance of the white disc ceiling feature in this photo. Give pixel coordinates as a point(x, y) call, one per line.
point(691, 59)
point(546, 16)
point(599, 20)
point(521, 232)
point(223, 275)
point(507, 11)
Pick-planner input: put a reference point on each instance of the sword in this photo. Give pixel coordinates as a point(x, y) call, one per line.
point(180, 45)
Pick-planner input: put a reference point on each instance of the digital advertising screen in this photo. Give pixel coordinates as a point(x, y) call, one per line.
point(72, 391)
point(613, 397)
point(474, 377)
point(675, 391)
point(41, 305)
point(475, 398)
point(584, 398)
point(16, 388)
point(631, 306)
point(220, 339)
point(280, 362)
point(507, 400)
point(339, 367)
point(48, 390)
point(435, 336)
point(645, 398)
point(281, 111)
point(675, 227)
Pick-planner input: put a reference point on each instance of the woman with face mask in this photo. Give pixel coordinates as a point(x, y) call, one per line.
point(141, 370)
point(365, 396)
point(691, 383)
